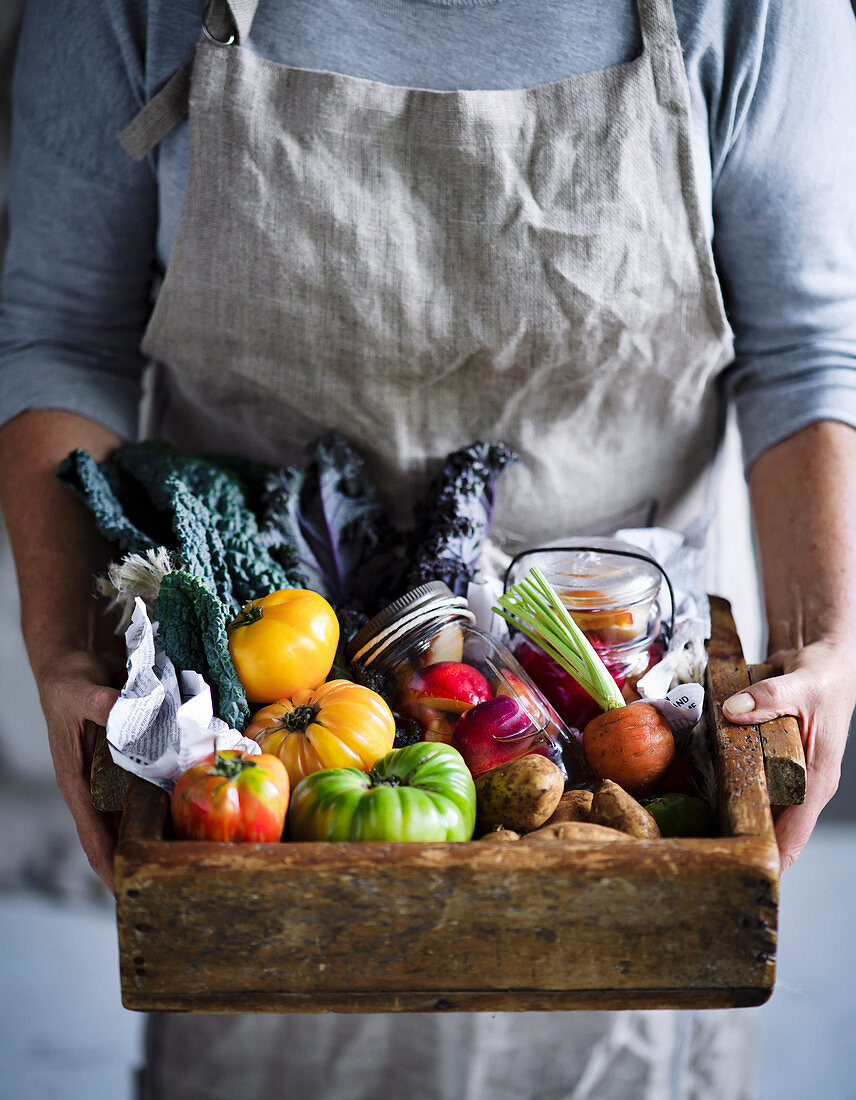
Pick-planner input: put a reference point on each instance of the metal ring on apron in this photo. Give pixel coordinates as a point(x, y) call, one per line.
point(217, 41)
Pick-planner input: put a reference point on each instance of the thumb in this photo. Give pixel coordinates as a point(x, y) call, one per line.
point(792, 693)
point(98, 703)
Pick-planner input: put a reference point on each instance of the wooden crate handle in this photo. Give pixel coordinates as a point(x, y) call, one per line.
point(744, 807)
point(784, 758)
point(108, 783)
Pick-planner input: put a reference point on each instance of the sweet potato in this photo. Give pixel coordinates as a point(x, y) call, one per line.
point(614, 807)
point(575, 830)
point(519, 795)
point(573, 806)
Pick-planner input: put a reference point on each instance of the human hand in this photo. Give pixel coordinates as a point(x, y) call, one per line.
point(76, 700)
point(818, 687)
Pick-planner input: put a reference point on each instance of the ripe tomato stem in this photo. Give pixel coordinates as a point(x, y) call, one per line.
point(248, 614)
point(299, 719)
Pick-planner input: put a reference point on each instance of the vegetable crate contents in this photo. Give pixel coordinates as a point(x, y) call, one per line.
point(578, 903)
point(421, 828)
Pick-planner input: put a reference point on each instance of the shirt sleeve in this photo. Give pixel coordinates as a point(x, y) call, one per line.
point(82, 217)
point(784, 205)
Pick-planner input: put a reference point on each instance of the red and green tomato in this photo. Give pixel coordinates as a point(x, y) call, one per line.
point(231, 796)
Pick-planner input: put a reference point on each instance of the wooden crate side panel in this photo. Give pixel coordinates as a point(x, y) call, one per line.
point(108, 783)
point(319, 920)
point(744, 807)
point(146, 813)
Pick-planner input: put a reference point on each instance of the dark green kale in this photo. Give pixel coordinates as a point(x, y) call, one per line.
point(330, 527)
point(372, 679)
point(192, 631)
point(150, 495)
point(215, 533)
point(455, 518)
point(98, 487)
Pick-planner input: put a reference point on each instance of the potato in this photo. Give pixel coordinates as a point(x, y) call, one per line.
point(501, 836)
point(576, 830)
point(519, 795)
point(615, 808)
point(573, 806)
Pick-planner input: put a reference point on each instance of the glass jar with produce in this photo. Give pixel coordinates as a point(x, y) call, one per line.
point(460, 685)
point(611, 590)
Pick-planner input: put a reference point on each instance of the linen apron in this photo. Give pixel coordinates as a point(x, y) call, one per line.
point(419, 269)
point(416, 270)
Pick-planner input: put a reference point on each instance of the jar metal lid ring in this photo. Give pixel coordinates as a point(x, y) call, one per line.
point(457, 604)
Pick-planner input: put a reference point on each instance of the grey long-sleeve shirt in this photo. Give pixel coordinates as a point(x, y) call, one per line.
point(773, 95)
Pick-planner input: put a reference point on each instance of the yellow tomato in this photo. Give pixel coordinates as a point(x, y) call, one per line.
point(341, 725)
point(282, 643)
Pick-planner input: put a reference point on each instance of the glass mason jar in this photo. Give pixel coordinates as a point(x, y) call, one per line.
point(610, 593)
point(437, 666)
point(611, 590)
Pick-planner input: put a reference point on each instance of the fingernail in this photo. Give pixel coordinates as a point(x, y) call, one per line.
point(739, 704)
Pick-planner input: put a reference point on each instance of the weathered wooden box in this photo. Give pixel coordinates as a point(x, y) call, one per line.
point(420, 927)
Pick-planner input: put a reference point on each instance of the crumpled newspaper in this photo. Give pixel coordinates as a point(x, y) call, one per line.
point(682, 707)
point(163, 722)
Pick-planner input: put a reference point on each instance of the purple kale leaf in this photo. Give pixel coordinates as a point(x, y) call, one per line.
point(329, 527)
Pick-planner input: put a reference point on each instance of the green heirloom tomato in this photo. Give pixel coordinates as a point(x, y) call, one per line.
point(421, 792)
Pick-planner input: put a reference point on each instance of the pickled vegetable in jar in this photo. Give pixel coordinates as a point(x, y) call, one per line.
point(611, 590)
point(627, 665)
point(439, 669)
point(611, 596)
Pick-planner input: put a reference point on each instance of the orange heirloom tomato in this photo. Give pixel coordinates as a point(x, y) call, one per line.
point(282, 643)
point(341, 725)
point(233, 796)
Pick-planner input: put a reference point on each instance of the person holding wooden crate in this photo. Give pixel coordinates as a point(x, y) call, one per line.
point(569, 226)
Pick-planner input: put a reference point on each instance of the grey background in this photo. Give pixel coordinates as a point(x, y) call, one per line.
point(66, 1035)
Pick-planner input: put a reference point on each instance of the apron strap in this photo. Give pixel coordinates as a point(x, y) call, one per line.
point(159, 115)
point(657, 22)
point(225, 22)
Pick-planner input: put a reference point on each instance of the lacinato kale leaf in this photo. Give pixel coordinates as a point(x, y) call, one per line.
point(192, 631)
point(98, 487)
point(329, 526)
point(150, 495)
point(215, 532)
point(456, 516)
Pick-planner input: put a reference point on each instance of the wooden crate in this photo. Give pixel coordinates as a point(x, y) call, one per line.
point(449, 927)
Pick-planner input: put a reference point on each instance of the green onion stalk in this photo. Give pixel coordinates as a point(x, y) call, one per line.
point(534, 608)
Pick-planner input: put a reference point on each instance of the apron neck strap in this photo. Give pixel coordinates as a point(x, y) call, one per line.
point(226, 22)
point(657, 23)
point(229, 21)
